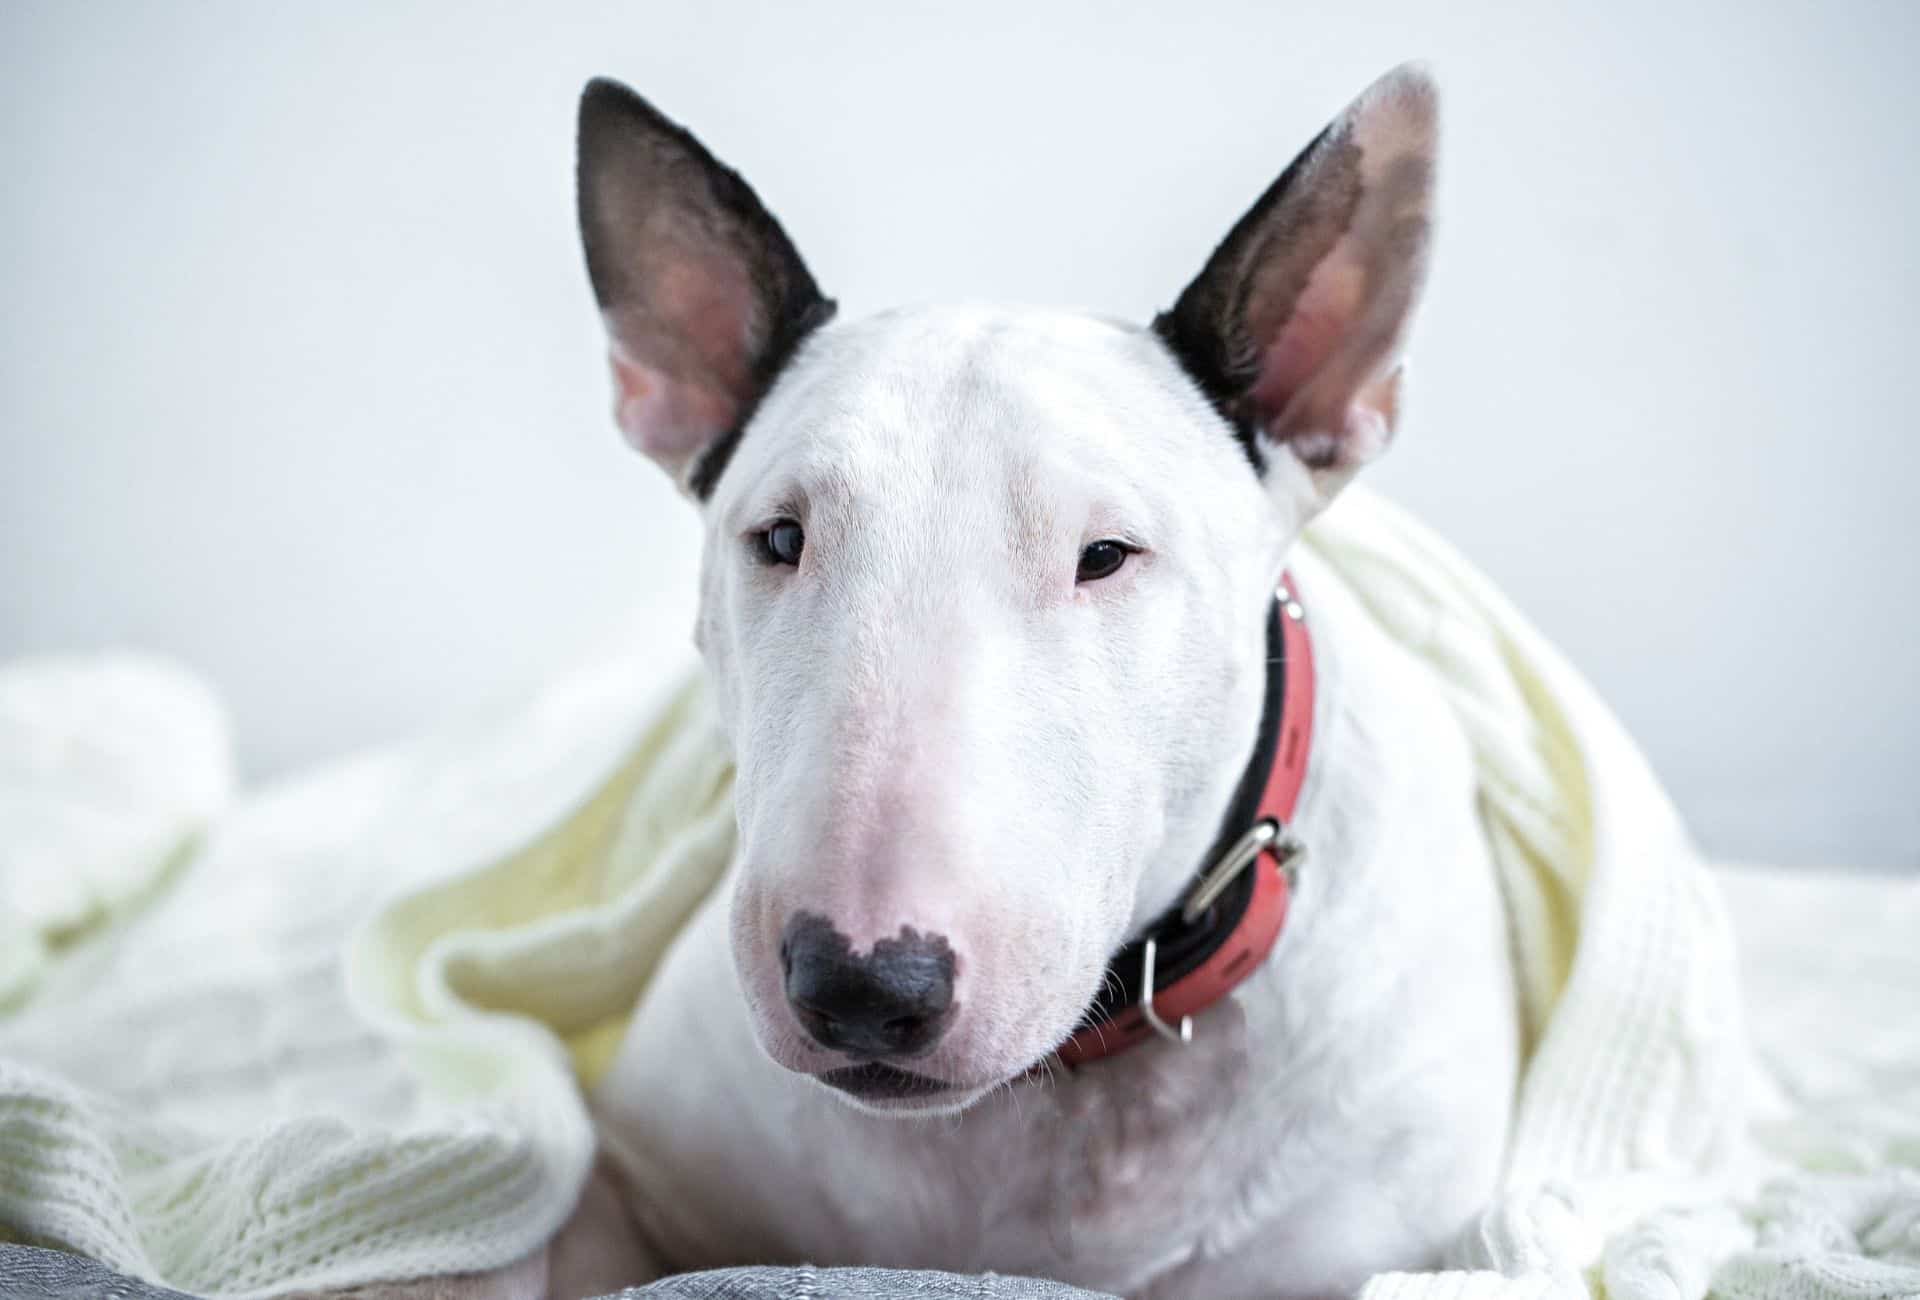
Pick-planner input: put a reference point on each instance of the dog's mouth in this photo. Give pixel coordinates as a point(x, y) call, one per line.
point(878, 1081)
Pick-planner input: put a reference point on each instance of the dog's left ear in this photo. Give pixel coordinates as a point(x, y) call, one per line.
point(1294, 327)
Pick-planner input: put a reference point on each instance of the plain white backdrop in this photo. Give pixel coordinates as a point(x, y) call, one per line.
point(300, 379)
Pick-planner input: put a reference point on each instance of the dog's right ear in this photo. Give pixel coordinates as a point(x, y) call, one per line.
point(1295, 325)
point(703, 294)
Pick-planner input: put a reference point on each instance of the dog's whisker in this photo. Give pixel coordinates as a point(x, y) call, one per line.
point(1013, 1093)
point(1050, 1072)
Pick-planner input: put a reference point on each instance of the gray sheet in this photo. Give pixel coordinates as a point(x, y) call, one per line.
point(27, 1273)
point(850, 1284)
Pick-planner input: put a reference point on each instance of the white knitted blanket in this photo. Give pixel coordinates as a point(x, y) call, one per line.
point(340, 1041)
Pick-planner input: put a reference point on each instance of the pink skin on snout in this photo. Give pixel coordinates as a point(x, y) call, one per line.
point(891, 859)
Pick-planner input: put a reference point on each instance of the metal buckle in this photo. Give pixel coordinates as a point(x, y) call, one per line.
point(1264, 836)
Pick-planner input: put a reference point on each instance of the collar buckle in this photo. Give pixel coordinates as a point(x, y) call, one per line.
point(1264, 836)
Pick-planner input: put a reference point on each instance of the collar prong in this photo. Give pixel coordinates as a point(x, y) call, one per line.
point(1235, 860)
point(1184, 1034)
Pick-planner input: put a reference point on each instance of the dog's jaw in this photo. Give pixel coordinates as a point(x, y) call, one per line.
point(883, 1090)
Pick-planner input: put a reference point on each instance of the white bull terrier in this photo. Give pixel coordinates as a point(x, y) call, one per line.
point(997, 607)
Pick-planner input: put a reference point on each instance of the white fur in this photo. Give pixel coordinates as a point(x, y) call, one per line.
point(936, 727)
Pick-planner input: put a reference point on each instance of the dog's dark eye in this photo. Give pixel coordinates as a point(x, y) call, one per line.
point(1102, 560)
point(783, 542)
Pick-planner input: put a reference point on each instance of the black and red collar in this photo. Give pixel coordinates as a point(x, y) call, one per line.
point(1230, 916)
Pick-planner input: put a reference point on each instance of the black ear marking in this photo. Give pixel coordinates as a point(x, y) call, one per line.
point(703, 293)
point(1293, 327)
point(1207, 328)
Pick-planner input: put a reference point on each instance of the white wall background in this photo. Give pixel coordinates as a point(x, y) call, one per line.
point(299, 378)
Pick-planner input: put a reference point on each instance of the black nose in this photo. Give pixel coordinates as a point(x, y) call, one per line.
point(894, 1002)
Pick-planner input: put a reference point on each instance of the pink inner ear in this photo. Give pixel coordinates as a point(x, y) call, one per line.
point(668, 419)
point(682, 356)
point(706, 298)
point(1322, 319)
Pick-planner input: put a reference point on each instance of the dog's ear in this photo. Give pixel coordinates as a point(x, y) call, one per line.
point(703, 295)
point(1294, 327)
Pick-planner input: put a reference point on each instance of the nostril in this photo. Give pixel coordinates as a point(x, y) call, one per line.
point(894, 1001)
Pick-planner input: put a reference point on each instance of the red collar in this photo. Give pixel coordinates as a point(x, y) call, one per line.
point(1229, 919)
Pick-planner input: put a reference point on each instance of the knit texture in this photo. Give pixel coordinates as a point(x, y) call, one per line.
point(345, 1044)
point(228, 1095)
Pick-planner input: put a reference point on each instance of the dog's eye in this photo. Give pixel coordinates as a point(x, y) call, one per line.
point(783, 542)
point(1102, 560)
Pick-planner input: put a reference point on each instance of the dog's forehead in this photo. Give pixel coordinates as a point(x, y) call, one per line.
point(945, 395)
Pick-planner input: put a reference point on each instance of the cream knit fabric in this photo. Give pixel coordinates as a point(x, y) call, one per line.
point(343, 1045)
point(109, 767)
point(227, 1095)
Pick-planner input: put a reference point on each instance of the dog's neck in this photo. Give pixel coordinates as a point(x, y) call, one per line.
point(1201, 830)
point(1224, 922)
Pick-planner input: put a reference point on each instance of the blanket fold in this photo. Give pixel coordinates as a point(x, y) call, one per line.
point(346, 1043)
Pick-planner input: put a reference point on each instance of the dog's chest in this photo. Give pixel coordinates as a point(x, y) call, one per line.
point(1232, 1166)
point(1113, 1175)
point(1256, 1160)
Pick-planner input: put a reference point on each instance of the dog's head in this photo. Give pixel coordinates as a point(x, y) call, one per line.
point(984, 591)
